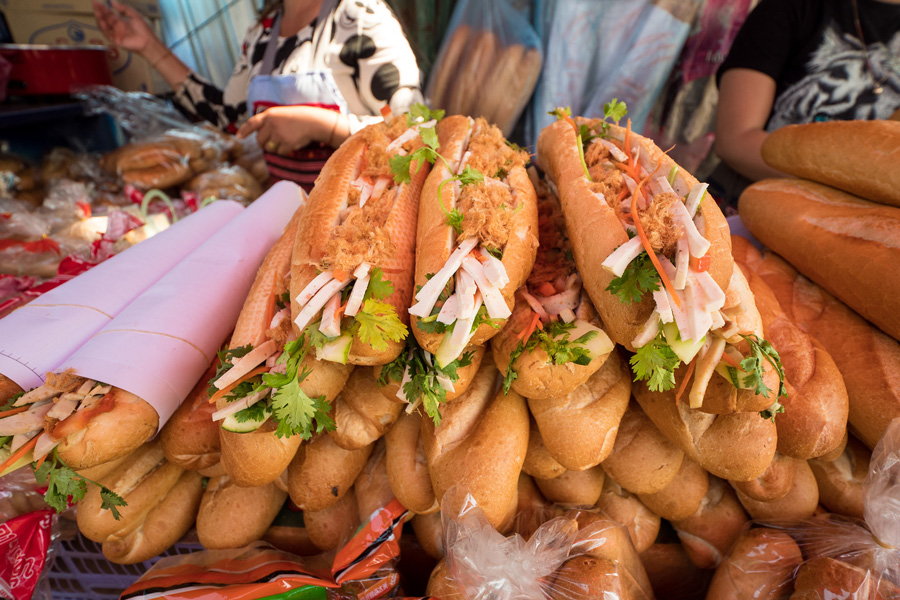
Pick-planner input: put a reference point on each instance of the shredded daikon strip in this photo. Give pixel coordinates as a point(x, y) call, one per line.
point(428, 295)
point(465, 290)
point(409, 134)
point(445, 383)
point(379, 187)
point(330, 324)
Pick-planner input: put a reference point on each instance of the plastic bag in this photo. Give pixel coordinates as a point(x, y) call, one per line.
point(597, 50)
point(140, 115)
point(827, 556)
point(579, 555)
point(488, 65)
point(28, 532)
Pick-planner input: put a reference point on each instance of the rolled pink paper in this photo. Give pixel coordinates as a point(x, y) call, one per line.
point(39, 336)
point(160, 345)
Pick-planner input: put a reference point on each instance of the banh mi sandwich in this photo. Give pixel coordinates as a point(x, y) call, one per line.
point(353, 260)
point(553, 341)
point(476, 237)
point(415, 378)
point(654, 251)
point(270, 390)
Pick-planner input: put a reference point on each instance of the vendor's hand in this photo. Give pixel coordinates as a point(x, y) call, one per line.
point(283, 129)
point(125, 27)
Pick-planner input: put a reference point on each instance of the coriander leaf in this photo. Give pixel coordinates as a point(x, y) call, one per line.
point(379, 287)
point(432, 325)
point(495, 252)
point(401, 165)
point(615, 110)
point(655, 362)
point(773, 410)
point(429, 137)
point(640, 276)
point(561, 113)
point(393, 371)
point(110, 500)
point(424, 385)
point(378, 322)
point(762, 350)
point(283, 301)
point(481, 317)
point(257, 412)
point(10, 404)
point(64, 483)
point(295, 411)
point(469, 176)
point(511, 375)
point(420, 111)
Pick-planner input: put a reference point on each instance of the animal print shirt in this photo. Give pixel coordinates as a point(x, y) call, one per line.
point(366, 52)
point(812, 50)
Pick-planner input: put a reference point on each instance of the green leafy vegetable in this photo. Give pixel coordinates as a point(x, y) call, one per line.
point(761, 350)
point(773, 410)
point(655, 363)
point(615, 110)
point(377, 322)
point(225, 357)
point(257, 412)
point(640, 276)
point(554, 340)
point(469, 176)
point(63, 483)
point(379, 287)
point(401, 165)
point(420, 111)
point(294, 411)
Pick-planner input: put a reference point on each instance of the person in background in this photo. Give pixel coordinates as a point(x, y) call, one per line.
point(799, 61)
point(310, 73)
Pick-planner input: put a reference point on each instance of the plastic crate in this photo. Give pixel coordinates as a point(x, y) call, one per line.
point(81, 572)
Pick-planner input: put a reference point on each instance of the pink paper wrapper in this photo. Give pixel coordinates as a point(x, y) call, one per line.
point(39, 336)
point(160, 345)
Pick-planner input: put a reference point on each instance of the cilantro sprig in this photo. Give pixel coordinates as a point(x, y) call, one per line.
point(377, 321)
point(469, 176)
point(639, 277)
point(761, 351)
point(554, 340)
point(420, 113)
point(613, 111)
point(294, 411)
point(63, 483)
point(655, 363)
point(225, 358)
point(423, 384)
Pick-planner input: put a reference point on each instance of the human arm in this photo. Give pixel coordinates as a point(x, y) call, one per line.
point(282, 129)
point(745, 102)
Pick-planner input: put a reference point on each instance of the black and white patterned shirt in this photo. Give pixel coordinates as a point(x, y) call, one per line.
point(367, 54)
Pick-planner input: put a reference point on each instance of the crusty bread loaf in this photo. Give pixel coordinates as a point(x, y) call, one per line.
point(595, 230)
point(682, 496)
point(816, 406)
point(333, 525)
point(441, 584)
point(869, 171)
point(520, 88)
point(737, 446)
point(8, 388)
point(868, 359)
point(573, 488)
point(708, 533)
point(840, 482)
point(799, 503)
point(247, 511)
point(447, 65)
point(539, 463)
point(480, 444)
point(372, 488)
point(643, 461)
point(627, 510)
point(471, 75)
point(190, 438)
point(772, 485)
point(824, 577)
point(322, 472)
point(761, 565)
point(361, 412)
point(579, 429)
point(672, 575)
point(164, 525)
point(844, 244)
point(430, 533)
point(406, 465)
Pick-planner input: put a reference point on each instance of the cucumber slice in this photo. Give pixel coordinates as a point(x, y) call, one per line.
point(450, 349)
point(598, 345)
point(686, 350)
point(337, 350)
point(229, 423)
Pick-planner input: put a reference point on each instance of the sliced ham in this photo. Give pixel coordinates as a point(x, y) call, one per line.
point(450, 311)
point(697, 244)
point(38, 394)
point(317, 303)
point(462, 163)
point(648, 332)
point(428, 295)
point(239, 405)
point(705, 368)
point(493, 298)
point(330, 325)
point(247, 363)
point(663, 307)
point(614, 150)
point(717, 320)
point(64, 407)
point(565, 300)
point(85, 388)
point(536, 306)
point(354, 302)
point(20, 439)
point(45, 444)
point(314, 286)
point(380, 185)
point(621, 257)
point(699, 319)
point(715, 295)
point(403, 381)
point(410, 134)
point(494, 269)
point(364, 194)
point(664, 186)
point(682, 264)
point(694, 197)
point(465, 292)
point(280, 316)
point(23, 422)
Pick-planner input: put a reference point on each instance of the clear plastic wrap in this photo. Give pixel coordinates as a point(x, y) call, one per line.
point(579, 555)
point(28, 532)
point(488, 65)
point(140, 115)
point(828, 556)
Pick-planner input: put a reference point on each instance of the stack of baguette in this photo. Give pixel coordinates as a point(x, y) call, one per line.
point(477, 75)
point(538, 415)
